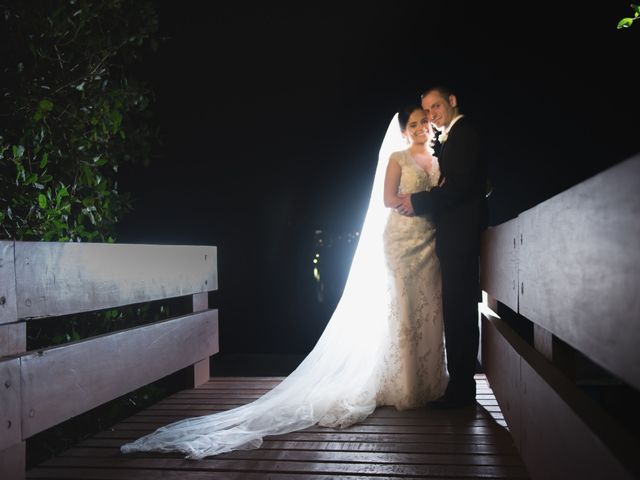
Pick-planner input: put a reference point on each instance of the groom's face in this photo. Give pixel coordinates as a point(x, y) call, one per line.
point(440, 110)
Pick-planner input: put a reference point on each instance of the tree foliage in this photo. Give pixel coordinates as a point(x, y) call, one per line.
point(73, 112)
point(628, 21)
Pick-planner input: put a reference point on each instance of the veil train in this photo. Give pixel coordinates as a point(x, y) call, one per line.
point(337, 383)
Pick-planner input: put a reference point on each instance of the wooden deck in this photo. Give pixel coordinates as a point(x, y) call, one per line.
point(465, 443)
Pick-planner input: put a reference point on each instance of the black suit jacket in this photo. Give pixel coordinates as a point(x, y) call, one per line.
point(457, 207)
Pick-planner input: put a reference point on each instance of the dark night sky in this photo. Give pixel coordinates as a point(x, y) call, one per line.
point(271, 119)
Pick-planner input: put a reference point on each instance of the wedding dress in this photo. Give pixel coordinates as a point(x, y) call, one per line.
point(414, 367)
point(382, 346)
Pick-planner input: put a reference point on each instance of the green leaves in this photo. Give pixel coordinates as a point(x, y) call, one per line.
point(44, 160)
point(626, 22)
point(18, 151)
point(99, 161)
point(45, 105)
point(76, 113)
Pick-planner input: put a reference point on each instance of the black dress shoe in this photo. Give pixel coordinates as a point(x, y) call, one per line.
point(448, 402)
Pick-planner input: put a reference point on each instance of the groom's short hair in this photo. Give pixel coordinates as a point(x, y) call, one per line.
point(443, 90)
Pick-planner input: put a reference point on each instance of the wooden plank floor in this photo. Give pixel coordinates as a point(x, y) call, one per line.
point(466, 443)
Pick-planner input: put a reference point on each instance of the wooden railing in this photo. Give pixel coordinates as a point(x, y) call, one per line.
point(569, 271)
point(40, 389)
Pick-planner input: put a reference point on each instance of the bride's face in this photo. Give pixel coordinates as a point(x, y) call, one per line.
point(417, 127)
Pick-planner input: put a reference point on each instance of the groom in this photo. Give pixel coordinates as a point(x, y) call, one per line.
point(457, 206)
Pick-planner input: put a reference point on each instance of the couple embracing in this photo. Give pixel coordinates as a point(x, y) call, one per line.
point(455, 208)
point(414, 276)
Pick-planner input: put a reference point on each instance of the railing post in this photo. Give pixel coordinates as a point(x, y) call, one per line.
point(12, 445)
point(488, 303)
point(13, 338)
point(12, 462)
point(561, 355)
point(13, 341)
point(198, 373)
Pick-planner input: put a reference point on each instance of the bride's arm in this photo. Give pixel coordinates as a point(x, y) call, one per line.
point(391, 184)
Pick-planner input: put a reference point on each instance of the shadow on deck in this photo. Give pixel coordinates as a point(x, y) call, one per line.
point(469, 443)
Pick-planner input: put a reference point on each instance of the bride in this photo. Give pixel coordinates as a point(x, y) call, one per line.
point(384, 342)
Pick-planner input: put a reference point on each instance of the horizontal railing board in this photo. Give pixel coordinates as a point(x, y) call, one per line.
point(63, 278)
point(557, 443)
point(561, 432)
point(62, 382)
point(10, 431)
point(8, 311)
point(499, 263)
point(579, 268)
point(502, 368)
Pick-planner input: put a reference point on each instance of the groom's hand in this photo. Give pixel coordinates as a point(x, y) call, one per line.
point(405, 208)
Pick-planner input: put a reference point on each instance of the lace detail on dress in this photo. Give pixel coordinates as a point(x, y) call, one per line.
point(414, 368)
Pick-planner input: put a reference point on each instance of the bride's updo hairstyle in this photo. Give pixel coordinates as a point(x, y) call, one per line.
point(405, 113)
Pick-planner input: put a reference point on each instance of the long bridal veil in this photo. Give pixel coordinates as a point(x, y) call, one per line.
point(337, 383)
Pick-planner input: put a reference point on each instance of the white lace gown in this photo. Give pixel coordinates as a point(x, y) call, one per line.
point(382, 346)
point(414, 367)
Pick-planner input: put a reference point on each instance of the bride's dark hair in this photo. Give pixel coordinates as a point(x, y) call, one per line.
point(405, 113)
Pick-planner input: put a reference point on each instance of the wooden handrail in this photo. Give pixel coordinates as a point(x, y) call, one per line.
point(570, 267)
point(499, 263)
point(41, 279)
point(62, 278)
point(579, 268)
point(574, 261)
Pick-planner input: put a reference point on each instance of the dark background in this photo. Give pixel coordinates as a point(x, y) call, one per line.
point(271, 119)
